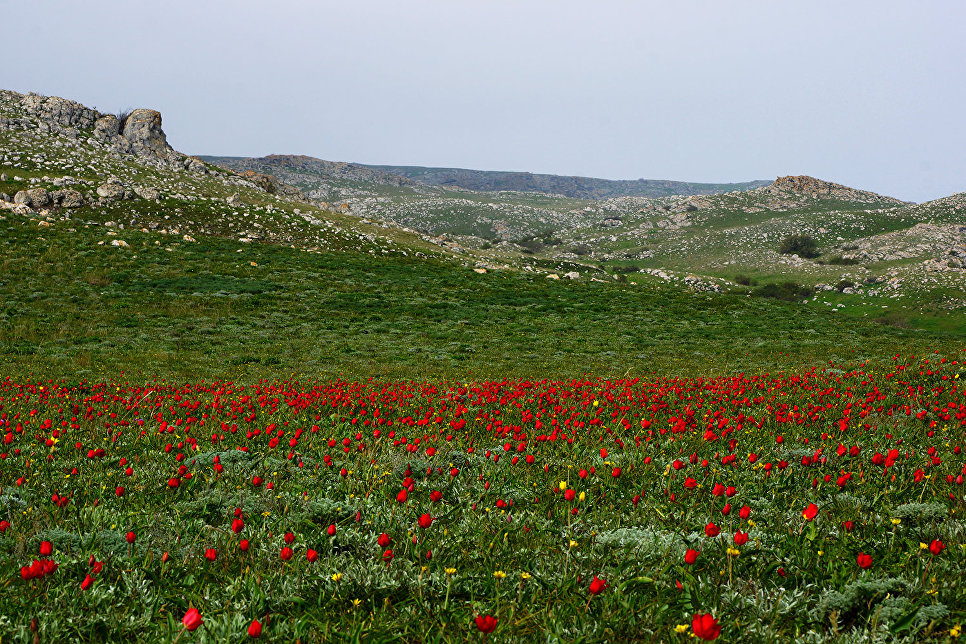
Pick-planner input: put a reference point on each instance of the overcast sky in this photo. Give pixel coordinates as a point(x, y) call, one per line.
point(869, 94)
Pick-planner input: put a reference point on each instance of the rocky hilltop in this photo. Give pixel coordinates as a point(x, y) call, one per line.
point(819, 189)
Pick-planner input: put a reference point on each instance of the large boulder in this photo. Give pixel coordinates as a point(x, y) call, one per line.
point(68, 198)
point(107, 127)
point(146, 192)
point(143, 133)
point(33, 198)
point(110, 190)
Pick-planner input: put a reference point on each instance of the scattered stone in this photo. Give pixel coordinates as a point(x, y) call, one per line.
point(120, 243)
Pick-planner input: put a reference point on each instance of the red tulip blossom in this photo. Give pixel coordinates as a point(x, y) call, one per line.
point(384, 540)
point(131, 537)
point(864, 560)
point(255, 629)
point(936, 546)
point(741, 538)
point(289, 538)
point(425, 521)
point(691, 556)
point(597, 586)
point(486, 623)
point(211, 554)
point(46, 548)
point(237, 525)
point(706, 627)
point(192, 619)
point(712, 530)
point(286, 553)
point(403, 495)
point(244, 545)
point(311, 555)
point(330, 530)
point(810, 512)
point(387, 556)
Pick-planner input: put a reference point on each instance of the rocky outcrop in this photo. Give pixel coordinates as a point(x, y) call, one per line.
point(819, 189)
point(61, 111)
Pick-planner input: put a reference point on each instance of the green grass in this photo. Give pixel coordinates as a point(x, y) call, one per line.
point(73, 306)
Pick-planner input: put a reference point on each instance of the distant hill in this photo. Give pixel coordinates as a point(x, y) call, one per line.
point(476, 180)
point(575, 187)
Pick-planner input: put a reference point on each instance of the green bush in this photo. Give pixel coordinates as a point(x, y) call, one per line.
point(787, 291)
point(801, 245)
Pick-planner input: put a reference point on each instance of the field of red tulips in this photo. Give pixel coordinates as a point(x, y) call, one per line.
point(826, 505)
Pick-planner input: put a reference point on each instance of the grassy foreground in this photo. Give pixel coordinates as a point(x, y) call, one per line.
point(815, 506)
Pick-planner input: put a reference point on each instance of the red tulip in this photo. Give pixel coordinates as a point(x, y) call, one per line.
point(616, 472)
point(131, 537)
point(691, 556)
point(243, 546)
point(425, 521)
point(810, 512)
point(486, 623)
point(211, 554)
point(936, 546)
point(384, 540)
point(741, 538)
point(712, 530)
point(403, 495)
point(387, 556)
point(237, 525)
point(46, 548)
point(435, 496)
point(255, 629)
point(706, 626)
point(570, 494)
point(597, 586)
point(286, 553)
point(744, 512)
point(289, 538)
point(864, 560)
point(192, 619)
point(4, 526)
point(330, 530)
point(311, 555)
point(173, 482)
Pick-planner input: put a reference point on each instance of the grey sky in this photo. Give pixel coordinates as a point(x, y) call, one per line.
point(870, 94)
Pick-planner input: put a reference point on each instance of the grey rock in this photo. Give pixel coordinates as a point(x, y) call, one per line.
point(71, 199)
point(21, 198)
point(38, 198)
point(58, 110)
point(3, 177)
point(146, 192)
point(234, 201)
point(4, 197)
point(110, 191)
point(107, 127)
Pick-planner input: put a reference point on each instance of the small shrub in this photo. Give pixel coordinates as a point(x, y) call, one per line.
point(743, 280)
point(122, 117)
point(787, 291)
point(801, 245)
point(582, 249)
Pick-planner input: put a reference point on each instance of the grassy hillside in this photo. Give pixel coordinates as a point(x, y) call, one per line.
point(73, 304)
